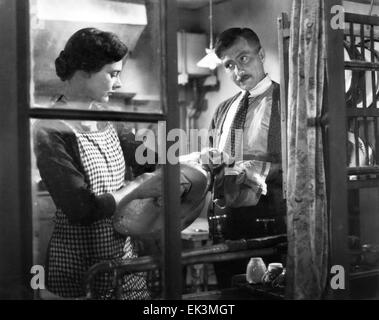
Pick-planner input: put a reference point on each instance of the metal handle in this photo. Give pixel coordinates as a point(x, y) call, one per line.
point(217, 202)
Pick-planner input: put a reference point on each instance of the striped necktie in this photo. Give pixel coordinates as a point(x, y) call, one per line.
point(234, 139)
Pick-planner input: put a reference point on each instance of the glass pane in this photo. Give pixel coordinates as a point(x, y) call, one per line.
point(76, 167)
point(135, 22)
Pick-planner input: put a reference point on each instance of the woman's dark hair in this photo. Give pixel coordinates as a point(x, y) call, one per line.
point(227, 38)
point(89, 49)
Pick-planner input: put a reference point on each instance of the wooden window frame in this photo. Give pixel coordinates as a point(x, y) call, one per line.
point(16, 241)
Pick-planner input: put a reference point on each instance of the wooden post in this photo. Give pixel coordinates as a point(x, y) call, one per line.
point(336, 137)
point(283, 46)
point(172, 268)
point(15, 203)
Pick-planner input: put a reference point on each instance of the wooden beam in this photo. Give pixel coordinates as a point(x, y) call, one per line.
point(172, 269)
point(283, 46)
point(336, 132)
point(364, 1)
point(15, 203)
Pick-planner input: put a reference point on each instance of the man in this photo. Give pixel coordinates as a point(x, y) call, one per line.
point(247, 199)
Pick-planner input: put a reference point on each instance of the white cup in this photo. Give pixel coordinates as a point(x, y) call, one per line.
point(255, 270)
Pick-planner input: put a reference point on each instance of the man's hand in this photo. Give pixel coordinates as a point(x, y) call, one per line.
point(214, 160)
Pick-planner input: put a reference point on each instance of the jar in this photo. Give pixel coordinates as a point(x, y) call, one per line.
point(255, 270)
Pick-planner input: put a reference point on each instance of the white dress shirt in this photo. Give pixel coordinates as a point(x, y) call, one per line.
point(253, 117)
point(251, 174)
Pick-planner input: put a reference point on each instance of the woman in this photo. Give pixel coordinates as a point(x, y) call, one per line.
point(83, 165)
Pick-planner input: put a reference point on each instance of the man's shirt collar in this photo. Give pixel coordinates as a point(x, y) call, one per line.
point(261, 87)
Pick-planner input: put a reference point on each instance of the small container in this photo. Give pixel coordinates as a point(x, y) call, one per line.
point(273, 271)
point(255, 270)
point(280, 280)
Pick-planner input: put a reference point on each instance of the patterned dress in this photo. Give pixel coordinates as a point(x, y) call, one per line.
point(74, 248)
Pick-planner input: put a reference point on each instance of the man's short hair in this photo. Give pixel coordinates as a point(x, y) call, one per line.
point(227, 38)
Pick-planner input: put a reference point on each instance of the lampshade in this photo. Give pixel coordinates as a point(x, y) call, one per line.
point(210, 61)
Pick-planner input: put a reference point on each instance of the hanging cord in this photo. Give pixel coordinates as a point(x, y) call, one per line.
point(210, 25)
point(184, 48)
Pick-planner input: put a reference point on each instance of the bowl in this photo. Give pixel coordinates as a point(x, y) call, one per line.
point(145, 217)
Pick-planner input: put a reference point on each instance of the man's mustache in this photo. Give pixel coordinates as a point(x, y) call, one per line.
point(243, 77)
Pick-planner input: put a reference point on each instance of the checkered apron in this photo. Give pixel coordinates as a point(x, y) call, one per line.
point(75, 248)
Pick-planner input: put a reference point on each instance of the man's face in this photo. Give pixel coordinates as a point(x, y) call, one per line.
point(244, 63)
point(102, 84)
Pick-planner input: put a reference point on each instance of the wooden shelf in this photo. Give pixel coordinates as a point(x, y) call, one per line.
point(361, 65)
point(362, 112)
point(358, 184)
point(363, 170)
point(361, 19)
point(259, 290)
point(364, 173)
point(364, 273)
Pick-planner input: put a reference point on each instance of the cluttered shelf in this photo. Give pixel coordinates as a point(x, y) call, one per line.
point(241, 290)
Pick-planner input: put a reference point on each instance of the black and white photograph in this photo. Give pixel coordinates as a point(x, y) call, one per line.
point(190, 155)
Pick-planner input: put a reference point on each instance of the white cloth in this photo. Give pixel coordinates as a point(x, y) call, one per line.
point(246, 188)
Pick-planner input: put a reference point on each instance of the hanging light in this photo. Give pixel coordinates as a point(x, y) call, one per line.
point(211, 60)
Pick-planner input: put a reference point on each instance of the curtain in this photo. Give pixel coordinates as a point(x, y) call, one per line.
point(307, 222)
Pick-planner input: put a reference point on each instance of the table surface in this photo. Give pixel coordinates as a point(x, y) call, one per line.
point(260, 290)
point(197, 231)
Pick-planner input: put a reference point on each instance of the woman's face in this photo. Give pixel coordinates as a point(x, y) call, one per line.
point(100, 85)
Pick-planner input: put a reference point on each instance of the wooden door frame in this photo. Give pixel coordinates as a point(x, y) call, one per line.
point(336, 135)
